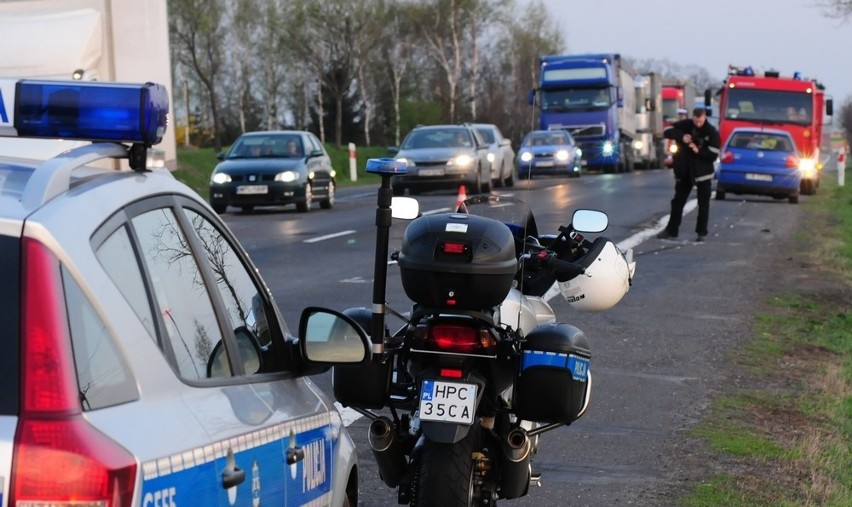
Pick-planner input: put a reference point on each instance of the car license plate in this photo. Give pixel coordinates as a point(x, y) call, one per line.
point(252, 189)
point(758, 177)
point(431, 172)
point(447, 401)
point(546, 163)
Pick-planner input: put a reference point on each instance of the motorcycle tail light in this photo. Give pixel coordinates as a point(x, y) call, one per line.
point(453, 247)
point(451, 373)
point(454, 338)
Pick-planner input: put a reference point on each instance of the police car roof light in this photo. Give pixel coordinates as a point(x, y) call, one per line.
point(386, 166)
point(84, 110)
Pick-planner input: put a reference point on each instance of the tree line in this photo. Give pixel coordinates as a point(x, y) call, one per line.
point(363, 71)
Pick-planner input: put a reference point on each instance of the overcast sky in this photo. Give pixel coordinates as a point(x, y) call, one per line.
point(788, 35)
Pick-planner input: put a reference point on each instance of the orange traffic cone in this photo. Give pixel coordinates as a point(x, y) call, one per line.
point(461, 198)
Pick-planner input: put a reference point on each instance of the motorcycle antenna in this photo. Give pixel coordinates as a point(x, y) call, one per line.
point(386, 168)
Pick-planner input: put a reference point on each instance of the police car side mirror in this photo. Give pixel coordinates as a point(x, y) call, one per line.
point(331, 338)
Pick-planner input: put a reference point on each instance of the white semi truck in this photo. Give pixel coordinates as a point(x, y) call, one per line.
point(104, 40)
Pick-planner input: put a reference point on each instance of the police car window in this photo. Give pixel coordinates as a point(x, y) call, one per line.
point(180, 292)
point(103, 377)
point(114, 254)
point(243, 300)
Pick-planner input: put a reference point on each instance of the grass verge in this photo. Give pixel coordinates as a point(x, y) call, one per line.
point(194, 166)
point(788, 437)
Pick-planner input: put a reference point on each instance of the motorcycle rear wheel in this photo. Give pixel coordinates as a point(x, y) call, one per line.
point(446, 476)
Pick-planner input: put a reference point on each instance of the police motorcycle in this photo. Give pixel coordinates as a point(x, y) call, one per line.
point(479, 368)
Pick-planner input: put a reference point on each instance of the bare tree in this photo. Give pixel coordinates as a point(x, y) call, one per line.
point(197, 28)
point(529, 36)
point(441, 26)
point(836, 8)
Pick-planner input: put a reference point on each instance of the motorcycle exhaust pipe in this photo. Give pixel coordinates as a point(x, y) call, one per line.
point(515, 463)
point(386, 448)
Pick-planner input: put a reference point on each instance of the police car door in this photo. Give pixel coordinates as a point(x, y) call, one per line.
point(221, 421)
point(270, 433)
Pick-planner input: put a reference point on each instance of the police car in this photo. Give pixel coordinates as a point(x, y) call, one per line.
point(144, 361)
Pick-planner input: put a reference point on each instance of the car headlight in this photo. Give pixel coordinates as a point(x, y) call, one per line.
point(607, 148)
point(526, 156)
point(807, 166)
point(638, 144)
point(490, 157)
point(220, 178)
point(461, 161)
point(405, 161)
point(579, 153)
point(287, 176)
point(562, 155)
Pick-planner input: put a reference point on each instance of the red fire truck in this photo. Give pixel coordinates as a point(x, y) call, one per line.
point(792, 103)
point(678, 95)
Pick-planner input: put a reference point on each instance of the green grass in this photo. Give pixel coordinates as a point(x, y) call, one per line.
point(789, 438)
point(194, 166)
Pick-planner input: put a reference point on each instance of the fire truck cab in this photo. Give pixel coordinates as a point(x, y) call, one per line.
point(794, 103)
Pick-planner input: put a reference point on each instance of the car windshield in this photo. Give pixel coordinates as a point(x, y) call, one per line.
point(575, 99)
point(277, 146)
point(761, 141)
point(437, 138)
point(546, 139)
point(769, 106)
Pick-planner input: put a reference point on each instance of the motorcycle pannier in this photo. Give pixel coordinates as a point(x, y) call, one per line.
point(553, 375)
point(458, 261)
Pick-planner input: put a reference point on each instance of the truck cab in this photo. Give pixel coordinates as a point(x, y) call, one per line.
point(592, 97)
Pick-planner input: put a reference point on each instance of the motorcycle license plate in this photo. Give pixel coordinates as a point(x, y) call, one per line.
point(452, 402)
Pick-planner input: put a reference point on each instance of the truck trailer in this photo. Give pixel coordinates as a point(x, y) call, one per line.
point(649, 145)
point(87, 40)
point(593, 97)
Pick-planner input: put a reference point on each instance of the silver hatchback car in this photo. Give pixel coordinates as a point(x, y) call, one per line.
point(144, 360)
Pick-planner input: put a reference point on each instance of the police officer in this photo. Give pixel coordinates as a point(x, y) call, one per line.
point(698, 146)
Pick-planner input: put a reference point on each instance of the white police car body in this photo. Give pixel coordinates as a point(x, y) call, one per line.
point(144, 360)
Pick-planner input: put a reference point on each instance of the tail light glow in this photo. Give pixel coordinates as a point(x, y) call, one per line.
point(728, 157)
point(59, 459)
point(792, 161)
point(454, 338)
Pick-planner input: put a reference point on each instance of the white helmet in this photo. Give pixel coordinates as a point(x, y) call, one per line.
point(607, 279)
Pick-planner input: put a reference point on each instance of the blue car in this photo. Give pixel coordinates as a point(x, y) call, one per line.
point(548, 152)
point(760, 162)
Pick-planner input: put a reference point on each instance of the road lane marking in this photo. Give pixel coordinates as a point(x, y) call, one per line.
point(329, 236)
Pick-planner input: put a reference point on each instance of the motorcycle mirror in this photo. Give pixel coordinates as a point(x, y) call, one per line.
point(406, 208)
point(589, 220)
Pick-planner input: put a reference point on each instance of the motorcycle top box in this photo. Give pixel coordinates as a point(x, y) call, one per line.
point(458, 261)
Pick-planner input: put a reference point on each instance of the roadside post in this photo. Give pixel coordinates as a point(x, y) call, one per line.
point(353, 171)
point(841, 167)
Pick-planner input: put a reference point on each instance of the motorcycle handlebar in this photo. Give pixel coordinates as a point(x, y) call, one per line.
point(564, 270)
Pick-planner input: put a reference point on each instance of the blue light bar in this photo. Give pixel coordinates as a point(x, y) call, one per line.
point(386, 166)
point(90, 111)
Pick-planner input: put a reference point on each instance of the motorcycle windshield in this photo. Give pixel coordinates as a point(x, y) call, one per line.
point(512, 212)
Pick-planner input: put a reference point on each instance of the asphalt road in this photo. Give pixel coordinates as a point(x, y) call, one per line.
point(658, 357)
